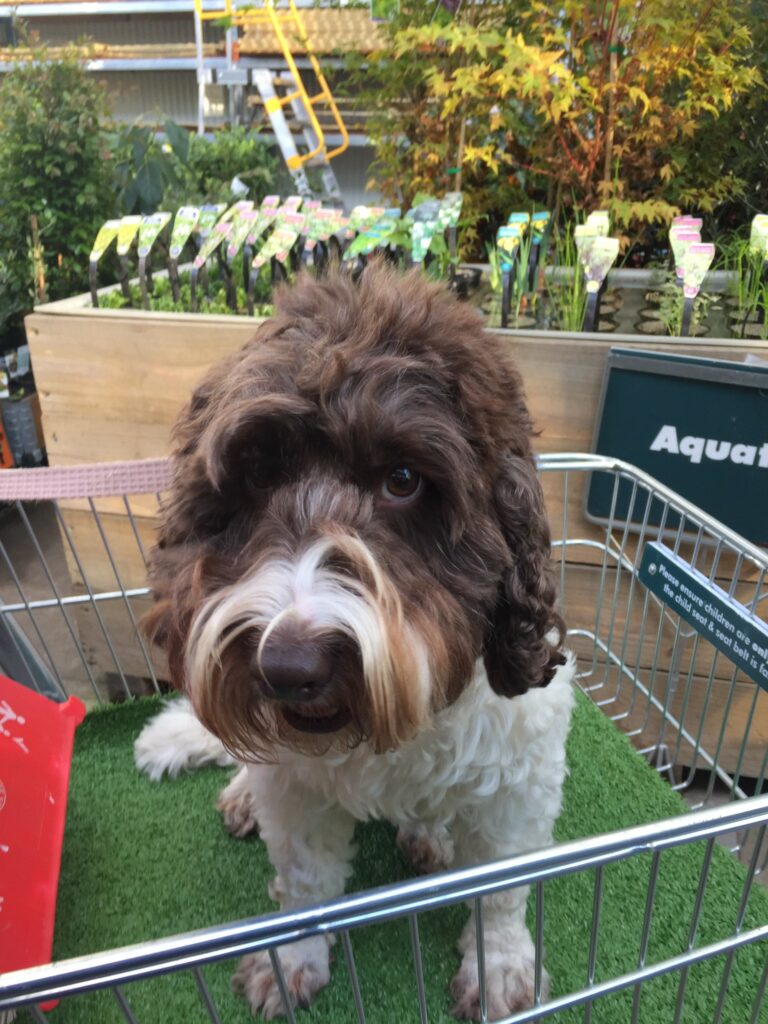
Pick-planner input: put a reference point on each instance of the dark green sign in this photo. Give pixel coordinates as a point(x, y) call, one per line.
point(723, 621)
point(698, 425)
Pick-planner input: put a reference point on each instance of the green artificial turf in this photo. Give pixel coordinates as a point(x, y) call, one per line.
point(144, 860)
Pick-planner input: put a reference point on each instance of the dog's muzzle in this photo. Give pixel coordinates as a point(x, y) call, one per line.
point(302, 675)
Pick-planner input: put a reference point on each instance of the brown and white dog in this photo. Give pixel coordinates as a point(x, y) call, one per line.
point(351, 582)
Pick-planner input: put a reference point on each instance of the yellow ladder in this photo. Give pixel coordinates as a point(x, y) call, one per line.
point(285, 22)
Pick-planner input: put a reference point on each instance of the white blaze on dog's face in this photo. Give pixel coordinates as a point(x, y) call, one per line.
point(355, 519)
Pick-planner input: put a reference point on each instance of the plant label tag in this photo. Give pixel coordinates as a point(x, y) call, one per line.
point(450, 208)
point(697, 260)
point(425, 221)
point(129, 227)
point(508, 240)
point(106, 235)
point(681, 239)
point(523, 219)
point(687, 221)
point(149, 231)
point(726, 623)
point(600, 222)
point(209, 214)
point(237, 210)
point(539, 222)
point(281, 241)
point(758, 235)
point(183, 225)
point(243, 225)
point(220, 231)
point(597, 255)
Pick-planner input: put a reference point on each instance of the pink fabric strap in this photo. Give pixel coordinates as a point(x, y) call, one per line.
point(93, 480)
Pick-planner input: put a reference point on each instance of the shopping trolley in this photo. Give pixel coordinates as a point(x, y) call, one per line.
point(72, 561)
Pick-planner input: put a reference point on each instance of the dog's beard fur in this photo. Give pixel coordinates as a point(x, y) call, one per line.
point(275, 530)
point(386, 679)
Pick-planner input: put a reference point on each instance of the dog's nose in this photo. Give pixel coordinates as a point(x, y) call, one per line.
point(295, 671)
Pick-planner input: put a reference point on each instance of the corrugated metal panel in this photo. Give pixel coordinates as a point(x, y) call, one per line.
point(122, 29)
point(352, 172)
point(154, 96)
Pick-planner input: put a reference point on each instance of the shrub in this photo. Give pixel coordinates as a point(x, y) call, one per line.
point(581, 104)
point(55, 178)
point(211, 164)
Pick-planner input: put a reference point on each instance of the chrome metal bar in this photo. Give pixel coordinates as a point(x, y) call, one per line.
point(650, 898)
point(151, 958)
point(413, 925)
point(55, 591)
point(86, 583)
point(285, 995)
point(743, 904)
point(349, 959)
point(571, 461)
point(205, 995)
point(655, 702)
point(605, 988)
point(132, 521)
point(759, 995)
point(614, 604)
point(480, 940)
point(694, 927)
point(124, 1005)
point(129, 610)
point(633, 577)
point(597, 904)
point(604, 565)
point(74, 599)
point(27, 606)
point(37, 1014)
point(565, 536)
point(14, 634)
point(538, 964)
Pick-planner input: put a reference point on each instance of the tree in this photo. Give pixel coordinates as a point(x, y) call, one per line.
point(603, 103)
point(55, 178)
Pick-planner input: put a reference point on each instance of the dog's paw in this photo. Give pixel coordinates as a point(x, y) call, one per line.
point(175, 741)
point(428, 849)
point(305, 967)
point(237, 806)
point(509, 986)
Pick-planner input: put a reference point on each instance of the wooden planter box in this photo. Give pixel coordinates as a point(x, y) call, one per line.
point(111, 383)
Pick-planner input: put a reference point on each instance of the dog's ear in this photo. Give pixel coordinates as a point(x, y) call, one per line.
point(523, 646)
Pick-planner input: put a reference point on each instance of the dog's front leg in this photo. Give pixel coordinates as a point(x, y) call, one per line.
point(509, 949)
point(309, 841)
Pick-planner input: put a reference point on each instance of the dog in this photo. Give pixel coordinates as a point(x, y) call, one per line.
point(352, 586)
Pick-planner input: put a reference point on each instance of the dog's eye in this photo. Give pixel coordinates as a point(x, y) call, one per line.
point(401, 485)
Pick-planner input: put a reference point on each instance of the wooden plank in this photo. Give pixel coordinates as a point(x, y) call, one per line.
point(112, 390)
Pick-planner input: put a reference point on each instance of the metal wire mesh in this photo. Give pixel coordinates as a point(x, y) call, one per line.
point(72, 592)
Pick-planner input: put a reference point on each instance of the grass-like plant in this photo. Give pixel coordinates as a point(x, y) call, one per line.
point(747, 266)
point(566, 285)
point(672, 306)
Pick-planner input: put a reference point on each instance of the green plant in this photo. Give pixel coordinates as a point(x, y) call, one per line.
point(746, 265)
point(672, 305)
point(146, 167)
point(55, 178)
point(215, 302)
point(565, 283)
point(587, 104)
point(213, 163)
point(422, 145)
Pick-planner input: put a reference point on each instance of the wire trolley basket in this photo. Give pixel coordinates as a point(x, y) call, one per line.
point(663, 606)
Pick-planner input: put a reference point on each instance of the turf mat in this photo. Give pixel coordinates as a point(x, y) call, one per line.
point(144, 860)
